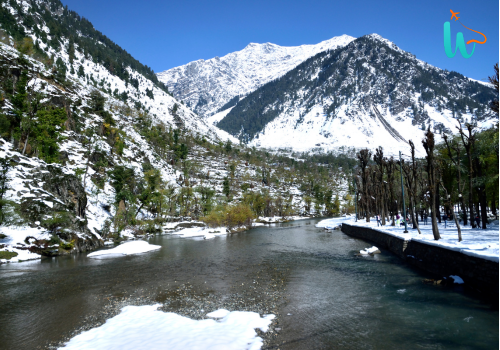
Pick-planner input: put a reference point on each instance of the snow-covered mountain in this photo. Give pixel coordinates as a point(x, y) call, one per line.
point(207, 86)
point(369, 93)
point(93, 148)
point(56, 77)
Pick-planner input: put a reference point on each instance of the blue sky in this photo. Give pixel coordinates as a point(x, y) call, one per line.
point(166, 34)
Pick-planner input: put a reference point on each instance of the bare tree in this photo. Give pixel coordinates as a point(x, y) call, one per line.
point(456, 161)
point(391, 167)
point(428, 143)
point(481, 190)
point(468, 141)
point(380, 160)
point(450, 205)
point(364, 157)
point(411, 183)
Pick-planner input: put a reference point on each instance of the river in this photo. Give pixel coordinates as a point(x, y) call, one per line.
point(324, 295)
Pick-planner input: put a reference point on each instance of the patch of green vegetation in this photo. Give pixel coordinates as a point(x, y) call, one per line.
point(57, 221)
point(7, 255)
point(54, 239)
point(232, 216)
point(2, 236)
point(67, 246)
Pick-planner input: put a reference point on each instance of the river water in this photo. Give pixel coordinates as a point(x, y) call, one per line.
point(325, 297)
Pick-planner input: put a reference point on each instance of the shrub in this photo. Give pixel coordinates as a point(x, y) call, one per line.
point(67, 246)
point(57, 221)
point(239, 215)
point(7, 255)
point(214, 218)
point(232, 216)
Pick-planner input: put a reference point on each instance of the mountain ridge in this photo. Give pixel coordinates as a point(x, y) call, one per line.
point(347, 85)
point(206, 85)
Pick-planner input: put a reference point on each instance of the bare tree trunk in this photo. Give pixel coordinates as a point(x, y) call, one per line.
point(428, 143)
point(457, 224)
point(468, 141)
point(471, 206)
point(390, 178)
point(384, 206)
point(412, 213)
point(26, 143)
point(457, 162)
point(435, 229)
point(481, 192)
point(464, 209)
point(380, 160)
point(364, 157)
point(458, 228)
point(438, 203)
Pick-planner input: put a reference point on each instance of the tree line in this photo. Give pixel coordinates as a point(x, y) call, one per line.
point(458, 176)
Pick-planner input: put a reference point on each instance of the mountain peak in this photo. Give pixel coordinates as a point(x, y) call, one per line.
point(211, 84)
point(385, 41)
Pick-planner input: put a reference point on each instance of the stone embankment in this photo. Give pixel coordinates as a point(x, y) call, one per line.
point(478, 273)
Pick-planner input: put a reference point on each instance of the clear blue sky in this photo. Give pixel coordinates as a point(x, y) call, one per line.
point(166, 34)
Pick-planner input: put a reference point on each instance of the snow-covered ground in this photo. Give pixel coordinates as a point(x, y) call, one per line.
point(145, 327)
point(475, 242)
point(127, 248)
point(15, 240)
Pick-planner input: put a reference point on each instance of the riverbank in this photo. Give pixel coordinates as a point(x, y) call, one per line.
point(15, 248)
point(475, 259)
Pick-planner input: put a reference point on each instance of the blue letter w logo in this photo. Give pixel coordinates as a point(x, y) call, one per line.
point(460, 43)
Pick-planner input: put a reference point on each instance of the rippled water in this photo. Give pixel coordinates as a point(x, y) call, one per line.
point(335, 300)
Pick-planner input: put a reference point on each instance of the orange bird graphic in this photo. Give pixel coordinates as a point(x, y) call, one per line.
point(454, 14)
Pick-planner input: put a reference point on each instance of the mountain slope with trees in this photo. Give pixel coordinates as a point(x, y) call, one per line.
point(88, 157)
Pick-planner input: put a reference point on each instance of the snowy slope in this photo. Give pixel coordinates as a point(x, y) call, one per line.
point(207, 85)
point(97, 76)
point(369, 93)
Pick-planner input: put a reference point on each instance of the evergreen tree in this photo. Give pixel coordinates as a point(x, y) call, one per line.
point(81, 72)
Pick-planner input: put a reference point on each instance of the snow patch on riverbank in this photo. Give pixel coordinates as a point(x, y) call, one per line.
point(14, 240)
point(128, 248)
point(368, 251)
point(145, 327)
point(475, 242)
point(22, 255)
point(278, 219)
point(204, 232)
point(201, 232)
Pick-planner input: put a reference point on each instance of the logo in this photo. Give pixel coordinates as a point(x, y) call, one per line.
point(460, 42)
